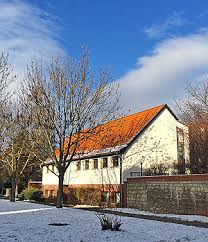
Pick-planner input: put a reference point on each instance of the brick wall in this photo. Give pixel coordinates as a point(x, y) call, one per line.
point(35, 184)
point(50, 192)
point(181, 194)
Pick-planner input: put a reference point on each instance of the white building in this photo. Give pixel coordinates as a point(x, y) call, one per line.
point(147, 142)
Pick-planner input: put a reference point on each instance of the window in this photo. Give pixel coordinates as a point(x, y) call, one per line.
point(47, 169)
point(51, 194)
point(95, 164)
point(181, 151)
point(117, 197)
point(105, 197)
point(87, 165)
point(78, 166)
point(105, 162)
point(115, 161)
point(52, 168)
point(46, 193)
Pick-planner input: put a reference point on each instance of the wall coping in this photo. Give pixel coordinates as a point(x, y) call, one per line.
point(173, 178)
point(34, 182)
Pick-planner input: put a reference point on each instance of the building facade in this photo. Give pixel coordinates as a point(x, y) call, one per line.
point(146, 143)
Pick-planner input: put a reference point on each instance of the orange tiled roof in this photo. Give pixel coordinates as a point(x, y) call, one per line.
point(118, 132)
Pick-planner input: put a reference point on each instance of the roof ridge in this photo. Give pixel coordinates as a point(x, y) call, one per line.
point(132, 114)
point(161, 105)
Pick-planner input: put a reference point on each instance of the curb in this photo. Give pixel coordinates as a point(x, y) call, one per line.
point(150, 217)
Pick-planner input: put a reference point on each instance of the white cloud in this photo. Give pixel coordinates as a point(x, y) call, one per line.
point(27, 31)
point(160, 76)
point(171, 23)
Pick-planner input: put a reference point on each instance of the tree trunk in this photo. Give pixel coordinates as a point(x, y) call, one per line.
point(60, 191)
point(13, 190)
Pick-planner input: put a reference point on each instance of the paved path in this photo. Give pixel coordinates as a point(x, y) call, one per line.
point(23, 211)
point(150, 217)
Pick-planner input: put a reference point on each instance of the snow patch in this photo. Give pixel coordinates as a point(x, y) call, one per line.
point(85, 226)
point(24, 211)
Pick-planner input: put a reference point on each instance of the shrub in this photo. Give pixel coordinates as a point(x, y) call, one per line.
point(86, 196)
point(109, 221)
point(32, 194)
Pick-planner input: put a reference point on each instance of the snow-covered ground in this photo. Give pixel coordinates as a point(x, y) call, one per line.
point(33, 225)
point(197, 218)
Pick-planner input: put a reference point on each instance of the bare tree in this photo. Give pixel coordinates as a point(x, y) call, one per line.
point(193, 110)
point(67, 104)
point(157, 169)
point(17, 150)
point(6, 79)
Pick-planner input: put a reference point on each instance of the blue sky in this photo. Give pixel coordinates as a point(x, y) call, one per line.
point(153, 47)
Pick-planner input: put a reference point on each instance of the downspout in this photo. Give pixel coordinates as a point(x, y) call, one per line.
point(121, 180)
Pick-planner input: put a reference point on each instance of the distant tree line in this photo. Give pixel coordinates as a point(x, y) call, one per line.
point(193, 111)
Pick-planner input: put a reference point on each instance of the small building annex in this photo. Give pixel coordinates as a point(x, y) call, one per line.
point(144, 143)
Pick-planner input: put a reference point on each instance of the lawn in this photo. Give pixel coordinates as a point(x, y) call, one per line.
point(22, 221)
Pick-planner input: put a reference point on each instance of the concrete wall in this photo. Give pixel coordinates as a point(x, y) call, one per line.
point(182, 194)
point(156, 145)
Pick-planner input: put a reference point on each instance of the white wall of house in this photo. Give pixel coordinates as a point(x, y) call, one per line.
point(100, 175)
point(157, 144)
point(48, 177)
point(73, 176)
